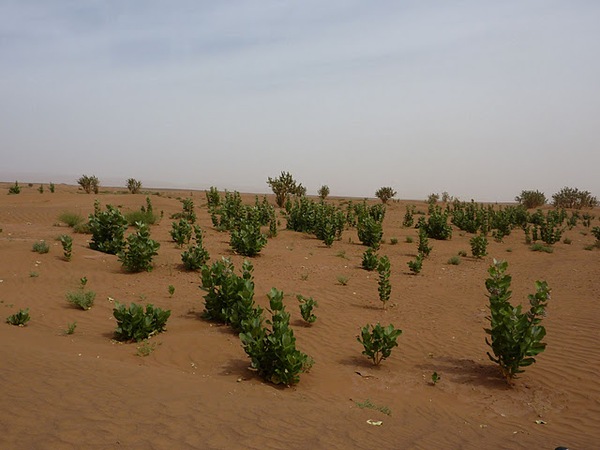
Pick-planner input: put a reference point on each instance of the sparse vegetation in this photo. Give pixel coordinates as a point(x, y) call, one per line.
point(284, 186)
point(573, 198)
point(307, 306)
point(416, 265)
point(531, 199)
point(41, 247)
point(89, 184)
point(385, 287)
point(343, 280)
point(67, 245)
point(14, 189)
point(134, 186)
point(82, 298)
point(323, 192)
point(71, 219)
point(454, 260)
point(71, 328)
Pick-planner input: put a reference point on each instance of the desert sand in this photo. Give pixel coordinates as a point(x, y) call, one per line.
point(195, 390)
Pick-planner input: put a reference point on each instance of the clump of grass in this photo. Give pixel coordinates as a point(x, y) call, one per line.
point(370, 405)
point(81, 298)
point(409, 240)
point(343, 280)
point(509, 250)
point(538, 247)
point(393, 241)
point(82, 228)
point(171, 290)
point(145, 348)
point(462, 253)
point(567, 241)
point(34, 274)
point(71, 219)
point(454, 260)
point(304, 276)
point(41, 247)
point(341, 254)
point(589, 247)
point(71, 328)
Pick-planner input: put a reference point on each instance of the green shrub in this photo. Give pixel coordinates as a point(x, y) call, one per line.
point(423, 248)
point(41, 189)
point(71, 328)
point(229, 298)
point(437, 226)
point(144, 215)
point(370, 260)
point(596, 233)
point(409, 216)
point(323, 192)
point(20, 318)
point(342, 280)
point(385, 287)
point(515, 337)
point(171, 290)
point(462, 253)
point(41, 247)
point(385, 193)
point(52, 188)
point(248, 240)
point(67, 245)
point(307, 306)
point(108, 229)
point(378, 341)
point(140, 250)
point(89, 184)
point(478, 246)
point(196, 255)
point(181, 232)
point(14, 189)
point(416, 265)
point(454, 260)
point(409, 240)
point(135, 324)
point(134, 186)
point(273, 351)
point(370, 231)
point(393, 241)
point(284, 186)
point(573, 198)
point(213, 197)
point(531, 199)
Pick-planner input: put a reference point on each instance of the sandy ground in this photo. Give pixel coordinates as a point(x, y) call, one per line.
point(195, 390)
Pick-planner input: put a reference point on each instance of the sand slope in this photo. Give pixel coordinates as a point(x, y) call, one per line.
point(195, 389)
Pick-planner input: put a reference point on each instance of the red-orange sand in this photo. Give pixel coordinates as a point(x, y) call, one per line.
point(195, 390)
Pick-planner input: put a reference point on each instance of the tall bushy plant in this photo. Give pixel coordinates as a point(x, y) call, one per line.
point(385, 287)
point(273, 351)
point(478, 246)
point(424, 248)
point(181, 232)
point(323, 192)
point(574, 198)
point(437, 226)
point(196, 255)
point(134, 186)
point(108, 229)
point(284, 186)
point(89, 184)
point(247, 239)
point(385, 193)
point(515, 336)
point(378, 341)
point(531, 199)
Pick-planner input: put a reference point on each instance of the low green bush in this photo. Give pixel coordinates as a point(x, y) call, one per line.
point(370, 260)
point(478, 246)
point(416, 265)
point(108, 229)
point(139, 251)
point(14, 189)
point(247, 239)
point(20, 318)
point(307, 306)
point(196, 255)
point(181, 232)
point(136, 324)
point(378, 341)
point(41, 247)
point(82, 298)
point(67, 245)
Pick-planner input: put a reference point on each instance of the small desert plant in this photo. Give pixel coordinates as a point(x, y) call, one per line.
point(370, 231)
point(71, 328)
point(462, 253)
point(135, 324)
point(409, 240)
point(134, 186)
point(370, 260)
point(181, 232)
point(67, 245)
point(416, 265)
point(378, 341)
point(596, 233)
point(20, 318)
point(248, 240)
point(41, 189)
point(515, 337)
point(171, 290)
point(140, 250)
point(14, 189)
point(89, 183)
point(323, 192)
point(213, 197)
point(145, 348)
point(409, 216)
point(435, 378)
point(478, 246)
point(307, 305)
point(393, 241)
point(82, 298)
point(196, 255)
point(423, 248)
point(567, 241)
point(343, 280)
point(370, 405)
point(52, 188)
point(71, 219)
point(531, 199)
point(385, 193)
point(385, 287)
point(145, 214)
point(454, 260)
point(273, 351)
point(34, 274)
point(432, 199)
point(41, 247)
point(538, 247)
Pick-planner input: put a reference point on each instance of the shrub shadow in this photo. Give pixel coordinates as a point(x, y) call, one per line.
point(466, 371)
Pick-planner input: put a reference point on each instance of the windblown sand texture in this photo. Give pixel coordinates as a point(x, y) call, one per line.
point(195, 389)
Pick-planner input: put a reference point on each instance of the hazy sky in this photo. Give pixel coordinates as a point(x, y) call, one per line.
point(478, 98)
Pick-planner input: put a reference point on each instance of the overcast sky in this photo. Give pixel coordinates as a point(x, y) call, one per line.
point(477, 98)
